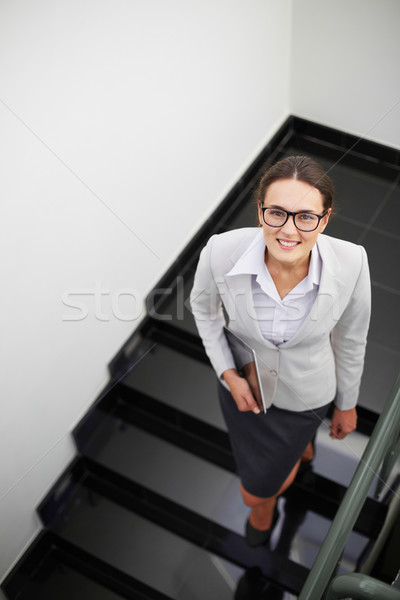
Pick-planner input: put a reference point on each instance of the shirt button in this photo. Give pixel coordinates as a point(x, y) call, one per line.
point(273, 373)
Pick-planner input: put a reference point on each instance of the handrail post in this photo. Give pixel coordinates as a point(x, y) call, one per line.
point(349, 509)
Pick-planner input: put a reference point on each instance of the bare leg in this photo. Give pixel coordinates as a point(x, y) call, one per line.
point(308, 453)
point(263, 508)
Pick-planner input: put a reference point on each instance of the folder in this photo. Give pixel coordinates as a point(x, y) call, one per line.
point(247, 366)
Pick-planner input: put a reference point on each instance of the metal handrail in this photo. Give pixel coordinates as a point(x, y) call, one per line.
point(388, 464)
point(360, 587)
point(381, 441)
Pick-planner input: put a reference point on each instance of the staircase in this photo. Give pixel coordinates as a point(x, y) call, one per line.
point(150, 508)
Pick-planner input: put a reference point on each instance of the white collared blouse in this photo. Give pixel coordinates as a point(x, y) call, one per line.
point(279, 319)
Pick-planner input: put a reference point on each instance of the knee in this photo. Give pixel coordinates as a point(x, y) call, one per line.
point(252, 501)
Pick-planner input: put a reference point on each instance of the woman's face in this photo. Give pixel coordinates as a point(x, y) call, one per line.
point(287, 245)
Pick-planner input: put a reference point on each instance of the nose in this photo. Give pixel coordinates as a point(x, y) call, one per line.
point(289, 227)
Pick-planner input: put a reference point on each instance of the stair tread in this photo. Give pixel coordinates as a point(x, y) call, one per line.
point(62, 582)
point(211, 443)
point(201, 486)
point(89, 484)
point(197, 483)
point(174, 307)
point(195, 390)
point(141, 548)
point(179, 381)
point(53, 567)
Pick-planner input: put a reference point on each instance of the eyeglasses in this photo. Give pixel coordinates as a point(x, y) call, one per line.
point(304, 221)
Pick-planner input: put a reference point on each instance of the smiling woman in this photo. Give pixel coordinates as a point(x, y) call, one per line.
point(286, 290)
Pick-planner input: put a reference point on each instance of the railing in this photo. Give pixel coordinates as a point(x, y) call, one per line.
point(360, 587)
point(388, 464)
point(383, 440)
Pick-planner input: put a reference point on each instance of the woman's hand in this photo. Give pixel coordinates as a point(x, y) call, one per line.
point(240, 391)
point(250, 373)
point(343, 423)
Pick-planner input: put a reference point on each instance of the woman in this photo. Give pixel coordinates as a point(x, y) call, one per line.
point(301, 300)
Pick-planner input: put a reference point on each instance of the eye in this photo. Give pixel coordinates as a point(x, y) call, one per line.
point(306, 217)
point(276, 213)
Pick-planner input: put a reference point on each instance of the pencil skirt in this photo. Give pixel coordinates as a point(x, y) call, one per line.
point(266, 447)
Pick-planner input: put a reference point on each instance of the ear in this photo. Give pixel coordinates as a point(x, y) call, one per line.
point(325, 220)
point(260, 217)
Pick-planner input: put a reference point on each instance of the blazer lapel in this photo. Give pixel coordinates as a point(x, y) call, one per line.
point(239, 289)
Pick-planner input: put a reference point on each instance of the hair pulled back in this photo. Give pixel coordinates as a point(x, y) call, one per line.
point(302, 168)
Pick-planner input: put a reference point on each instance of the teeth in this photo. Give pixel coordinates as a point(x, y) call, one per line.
point(288, 244)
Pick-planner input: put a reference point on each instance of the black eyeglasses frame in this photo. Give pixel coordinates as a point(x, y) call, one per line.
point(293, 214)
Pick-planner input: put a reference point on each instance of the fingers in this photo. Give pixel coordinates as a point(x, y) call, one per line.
point(343, 423)
point(336, 432)
point(241, 392)
point(244, 398)
point(254, 400)
point(247, 403)
point(258, 400)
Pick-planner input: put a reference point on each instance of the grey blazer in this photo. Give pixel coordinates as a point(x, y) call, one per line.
point(324, 360)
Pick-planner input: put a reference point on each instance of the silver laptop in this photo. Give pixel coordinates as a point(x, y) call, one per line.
point(237, 346)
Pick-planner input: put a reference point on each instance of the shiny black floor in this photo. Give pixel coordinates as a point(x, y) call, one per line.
point(141, 548)
point(151, 507)
point(64, 583)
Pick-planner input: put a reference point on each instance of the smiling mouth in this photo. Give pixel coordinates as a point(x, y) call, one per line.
point(287, 244)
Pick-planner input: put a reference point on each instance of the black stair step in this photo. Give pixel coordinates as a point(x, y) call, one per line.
point(137, 546)
point(169, 470)
point(54, 568)
point(320, 494)
point(169, 305)
point(180, 380)
point(186, 342)
point(167, 422)
point(199, 485)
point(184, 374)
point(129, 526)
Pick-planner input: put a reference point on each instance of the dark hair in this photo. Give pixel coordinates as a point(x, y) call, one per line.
point(302, 168)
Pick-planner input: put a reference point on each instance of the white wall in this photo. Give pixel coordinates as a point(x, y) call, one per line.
point(123, 125)
point(345, 66)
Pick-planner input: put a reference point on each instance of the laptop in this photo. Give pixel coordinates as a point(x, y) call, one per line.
point(241, 349)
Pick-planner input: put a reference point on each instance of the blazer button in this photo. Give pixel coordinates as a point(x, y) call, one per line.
point(273, 373)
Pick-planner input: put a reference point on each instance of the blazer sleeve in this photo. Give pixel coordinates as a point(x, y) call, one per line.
point(349, 338)
point(206, 305)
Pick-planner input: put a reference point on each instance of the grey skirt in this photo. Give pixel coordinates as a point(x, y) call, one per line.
point(267, 447)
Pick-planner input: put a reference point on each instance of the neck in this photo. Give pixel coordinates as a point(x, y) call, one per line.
point(297, 269)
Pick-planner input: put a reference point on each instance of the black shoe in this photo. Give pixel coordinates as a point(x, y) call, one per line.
point(256, 537)
point(251, 586)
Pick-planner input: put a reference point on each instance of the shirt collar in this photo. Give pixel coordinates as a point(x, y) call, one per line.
point(314, 270)
point(252, 261)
